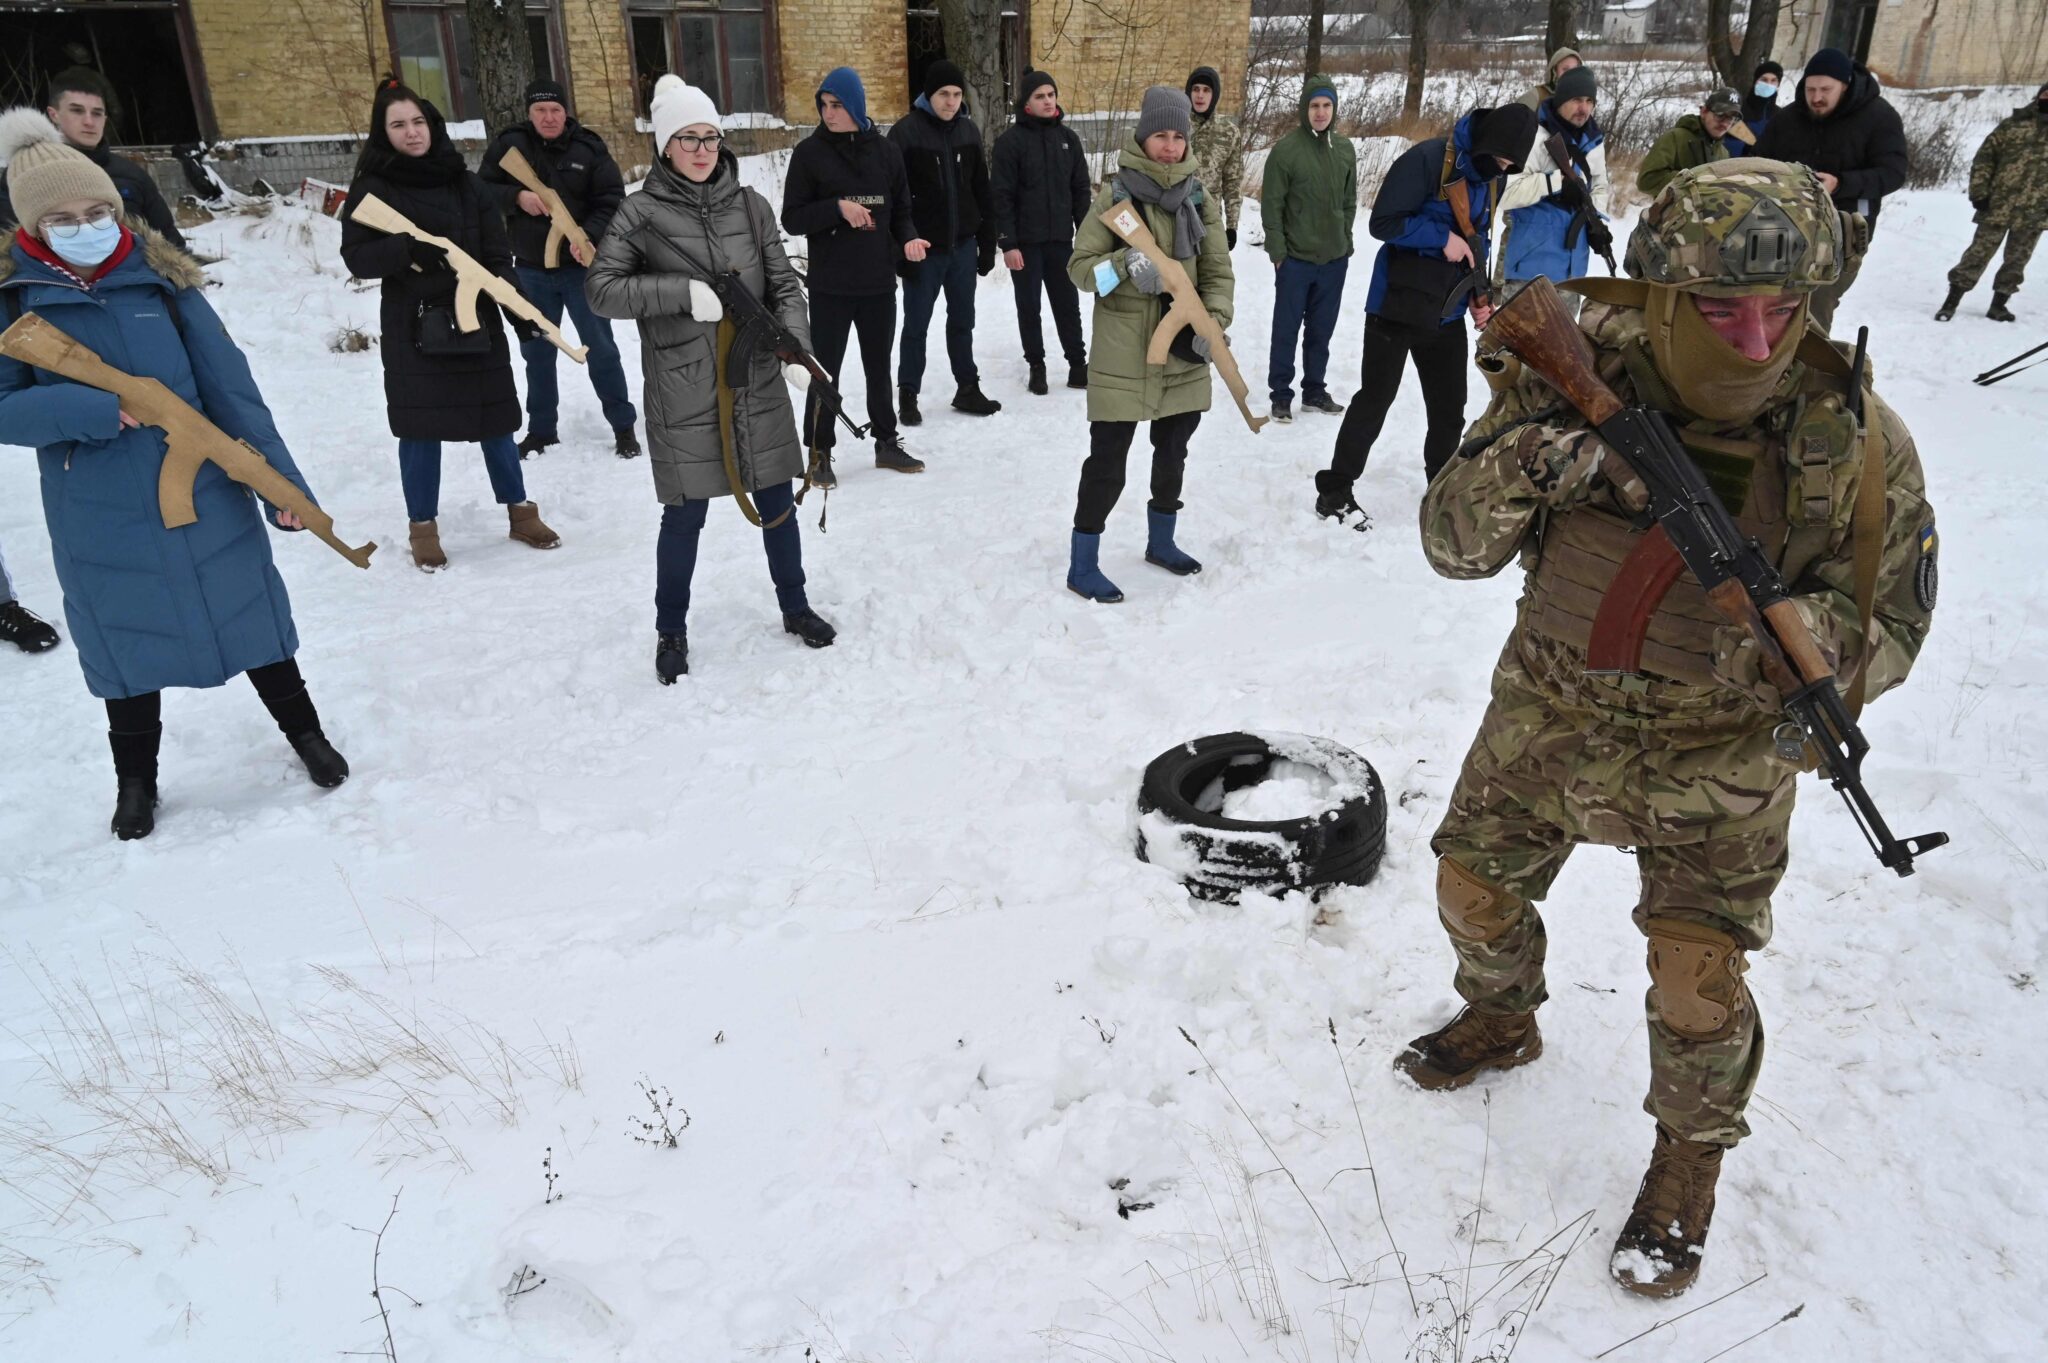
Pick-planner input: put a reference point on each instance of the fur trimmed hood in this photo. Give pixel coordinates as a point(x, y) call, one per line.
point(177, 267)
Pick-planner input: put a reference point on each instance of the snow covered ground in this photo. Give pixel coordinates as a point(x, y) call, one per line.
point(871, 916)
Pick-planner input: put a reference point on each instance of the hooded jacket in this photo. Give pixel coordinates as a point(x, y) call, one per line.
point(1685, 146)
point(867, 168)
point(1412, 217)
point(948, 178)
point(1861, 143)
point(1038, 182)
point(577, 165)
point(2009, 174)
point(1308, 196)
point(1537, 95)
point(1217, 149)
point(148, 607)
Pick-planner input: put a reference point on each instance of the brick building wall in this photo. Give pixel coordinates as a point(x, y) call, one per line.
point(1103, 66)
point(1933, 42)
point(290, 68)
point(868, 35)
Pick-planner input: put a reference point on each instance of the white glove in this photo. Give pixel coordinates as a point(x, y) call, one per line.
point(704, 304)
point(798, 376)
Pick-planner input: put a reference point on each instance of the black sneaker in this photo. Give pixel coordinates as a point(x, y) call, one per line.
point(1283, 412)
point(628, 445)
point(906, 408)
point(1322, 403)
point(25, 629)
point(1341, 507)
point(327, 767)
point(531, 444)
point(1036, 384)
point(890, 454)
point(810, 627)
point(671, 657)
point(821, 470)
point(970, 399)
point(1077, 375)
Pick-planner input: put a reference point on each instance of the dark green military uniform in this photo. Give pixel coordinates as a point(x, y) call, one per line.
point(2009, 186)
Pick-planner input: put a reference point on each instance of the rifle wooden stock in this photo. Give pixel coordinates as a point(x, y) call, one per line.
point(1536, 328)
point(561, 226)
point(471, 278)
point(1124, 220)
point(189, 438)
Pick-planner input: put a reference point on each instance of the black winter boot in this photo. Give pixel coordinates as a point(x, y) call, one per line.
point(821, 470)
point(1998, 311)
point(531, 444)
point(890, 454)
point(1036, 384)
point(1077, 374)
point(1949, 304)
point(299, 722)
point(135, 797)
point(970, 399)
point(671, 657)
point(810, 627)
point(627, 445)
point(906, 408)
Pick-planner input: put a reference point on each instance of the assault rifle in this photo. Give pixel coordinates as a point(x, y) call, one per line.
point(1586, 218)
point(1740, 582)
point(756, 328)
point(189, 438)
point(561, 226)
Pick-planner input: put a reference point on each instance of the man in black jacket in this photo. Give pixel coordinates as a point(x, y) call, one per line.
point(846, 194)
point(949, 198)
point(574, 162)
point(78, 106)
point(1840, 125)
point(1039, 188)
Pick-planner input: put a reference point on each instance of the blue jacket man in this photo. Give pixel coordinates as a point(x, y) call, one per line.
point(1413, 307)
point(1550, 211)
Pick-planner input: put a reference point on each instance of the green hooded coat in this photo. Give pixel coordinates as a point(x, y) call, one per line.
point(1309, 195)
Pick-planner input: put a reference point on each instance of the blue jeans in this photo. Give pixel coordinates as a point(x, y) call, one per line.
point(419, 471)
point(1304, 295)
point(675, 556)
point(951, 272)
point(552, 291)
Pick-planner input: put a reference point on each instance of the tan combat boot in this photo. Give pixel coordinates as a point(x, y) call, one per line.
point(426, 546)
point(529, 528)
point(1468, 1045)
point(1658, 1251)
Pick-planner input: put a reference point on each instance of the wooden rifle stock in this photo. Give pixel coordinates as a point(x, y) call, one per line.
point(471, 278)
point(1124, 220)
point(562, 227)
point(189, 438)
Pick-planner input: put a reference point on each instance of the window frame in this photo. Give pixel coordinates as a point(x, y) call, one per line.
point(671, 12)
point(444, 13)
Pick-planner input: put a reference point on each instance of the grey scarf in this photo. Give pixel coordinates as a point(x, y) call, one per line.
point(1179, 201)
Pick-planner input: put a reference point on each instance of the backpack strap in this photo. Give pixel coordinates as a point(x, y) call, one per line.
point(1866, 534)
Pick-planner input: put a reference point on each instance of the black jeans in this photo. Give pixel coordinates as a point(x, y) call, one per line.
point(1440, 362)
point(874, 317)
point(1102, 475)
point(1045, 267)
point(278, 685)
point(675, 556)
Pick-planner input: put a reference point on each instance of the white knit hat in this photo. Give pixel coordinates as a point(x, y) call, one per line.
point(676, 105)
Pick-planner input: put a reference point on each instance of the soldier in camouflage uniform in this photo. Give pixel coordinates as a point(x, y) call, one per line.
point(1677, 762)
point(2009, 190)
point(1217, 149)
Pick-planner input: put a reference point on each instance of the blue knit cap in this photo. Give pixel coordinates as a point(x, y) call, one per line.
point(843, 84)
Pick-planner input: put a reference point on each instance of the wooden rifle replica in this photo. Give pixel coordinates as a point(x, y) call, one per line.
point(189, 438)
point(1124, 220)
point(561, 226)
point(471, 278)
point(1740, 582)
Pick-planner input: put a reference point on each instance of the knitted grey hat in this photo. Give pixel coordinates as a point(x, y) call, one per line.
point(1165, 109)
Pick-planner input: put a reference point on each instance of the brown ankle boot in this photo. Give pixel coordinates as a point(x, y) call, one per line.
point(426, 547)
point(529, 528)
point(1658, 1251)
point(1468, 1045)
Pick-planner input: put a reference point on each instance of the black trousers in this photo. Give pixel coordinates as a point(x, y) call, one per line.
point(1102, 475)
point(1045, 268)
point(833, 315)
point(1440, 359)
point(135, 723)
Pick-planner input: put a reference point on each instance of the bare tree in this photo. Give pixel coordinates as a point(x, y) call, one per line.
point(1313, 62)
point(503, 51)
point(1419, 14)
point(1562, 29)
point(1759, 33)
point(974, 39)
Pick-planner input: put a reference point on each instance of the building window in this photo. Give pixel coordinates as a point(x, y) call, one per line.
point(141, 49)
point(720, 46)
point(430, 42)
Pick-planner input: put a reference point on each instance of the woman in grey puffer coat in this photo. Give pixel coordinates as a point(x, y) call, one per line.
point(691, 220)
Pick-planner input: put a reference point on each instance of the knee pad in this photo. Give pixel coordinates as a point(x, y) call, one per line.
point(1695, 978)
point(1471, 908)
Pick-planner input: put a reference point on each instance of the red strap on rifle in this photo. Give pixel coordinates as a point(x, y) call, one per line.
point(1631, 599)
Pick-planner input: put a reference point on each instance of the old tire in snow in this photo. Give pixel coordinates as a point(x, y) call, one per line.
point(1182, 827)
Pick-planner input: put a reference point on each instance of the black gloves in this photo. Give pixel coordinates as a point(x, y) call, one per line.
point(1230, 236)
point(1572, 193)
point(984, 260)
point(525, 330)
point(427, 256)
point(1599, 236)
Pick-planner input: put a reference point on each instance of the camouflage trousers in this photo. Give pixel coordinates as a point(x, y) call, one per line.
point(1512, 822)
point(2012, 272)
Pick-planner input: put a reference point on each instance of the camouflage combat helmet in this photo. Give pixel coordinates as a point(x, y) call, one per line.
point(1744, 226)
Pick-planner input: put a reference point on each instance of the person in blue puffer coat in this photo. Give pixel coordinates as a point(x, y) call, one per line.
point(149, 607)
point(1551, 218)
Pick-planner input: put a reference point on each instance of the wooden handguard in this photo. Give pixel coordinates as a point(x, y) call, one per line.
point(471, 278)
point(189, 438)
point(1128, 225)
point(561, 227)
point(1535, 326)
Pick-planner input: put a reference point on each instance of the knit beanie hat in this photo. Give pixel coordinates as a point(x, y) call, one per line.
point(1577, 83)
point(1505, 134)
point(43, 172)
point(1833, 63)
point(941, 74)
point(1164, 109)
point(1768, 68)
point(1033, 82)
point(546, 90)
point(676, 105)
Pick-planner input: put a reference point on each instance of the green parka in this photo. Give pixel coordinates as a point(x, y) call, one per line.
point(1309, 194)
point(1685, 146)
point(1121, 386)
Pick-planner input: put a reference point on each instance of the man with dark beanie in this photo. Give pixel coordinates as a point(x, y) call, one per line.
point(1218, 148)
point(2009, 190)
point(949, 197)
point(1550, 211)
point(574, 162)
point(845, 193)
point(1308, 198)
point(1038, 187)
point(1841, 127)
point(1432, 194)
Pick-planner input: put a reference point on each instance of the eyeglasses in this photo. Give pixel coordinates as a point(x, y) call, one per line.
point(692, 142)
point(64, 225)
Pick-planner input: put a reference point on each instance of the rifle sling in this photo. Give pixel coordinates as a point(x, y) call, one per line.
point(728, 428)
point(1866, 532)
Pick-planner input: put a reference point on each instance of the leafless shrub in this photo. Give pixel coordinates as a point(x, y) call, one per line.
point(350, 340)
point(1938, 156)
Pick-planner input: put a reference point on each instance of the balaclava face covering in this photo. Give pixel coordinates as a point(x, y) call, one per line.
point(1710, 377)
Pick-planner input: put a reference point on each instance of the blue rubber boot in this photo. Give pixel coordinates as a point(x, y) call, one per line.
point(1084, 578)
point(1160, 548)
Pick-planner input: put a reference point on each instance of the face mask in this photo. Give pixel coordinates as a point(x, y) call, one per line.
point(89, 246)
point(1766, 90)
point(1710, 377)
